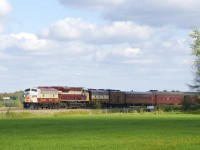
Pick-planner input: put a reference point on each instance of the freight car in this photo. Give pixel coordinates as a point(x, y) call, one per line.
point(73, 97)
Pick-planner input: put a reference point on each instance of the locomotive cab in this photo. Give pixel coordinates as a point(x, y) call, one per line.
point(30, 97)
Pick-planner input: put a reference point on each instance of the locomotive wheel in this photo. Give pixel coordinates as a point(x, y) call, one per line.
point(32, 106)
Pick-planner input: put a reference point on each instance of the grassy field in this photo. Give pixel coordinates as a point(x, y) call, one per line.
point(111, 131)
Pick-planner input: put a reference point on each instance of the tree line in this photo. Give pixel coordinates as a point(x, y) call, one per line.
point(15, 100)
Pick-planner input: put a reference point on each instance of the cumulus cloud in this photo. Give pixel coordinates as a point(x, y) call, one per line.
point(76, 29)
point(116, 53)
point(31, 43)
point(122, 41)
point(148, 12)
point(23, 41)
point(69, 29)
point(72, 48)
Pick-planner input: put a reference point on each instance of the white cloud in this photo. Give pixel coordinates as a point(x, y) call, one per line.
point(115, 53)
point(23, 41)
point(76, 29)
point(130, 52)
point(69, 28)
point(121, 42)
point(28, 41)
point(5, 8)
point(72, 49)
point(143, 61)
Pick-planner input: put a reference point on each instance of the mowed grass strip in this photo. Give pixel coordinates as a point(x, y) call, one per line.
point(118, 132)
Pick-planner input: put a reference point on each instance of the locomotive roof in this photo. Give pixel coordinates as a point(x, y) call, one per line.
point(61, 88)
point(47, 89)
point(98, 91)
point(76, 88)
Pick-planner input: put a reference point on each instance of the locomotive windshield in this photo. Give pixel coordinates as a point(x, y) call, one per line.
point(27, 90)
point(34, 90)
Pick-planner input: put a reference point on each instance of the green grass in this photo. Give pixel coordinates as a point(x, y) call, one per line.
point(95, 132)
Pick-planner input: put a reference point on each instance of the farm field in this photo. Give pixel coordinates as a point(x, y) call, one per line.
point(111, 131)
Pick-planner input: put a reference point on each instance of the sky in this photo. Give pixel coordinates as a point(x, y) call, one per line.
point(110, 44)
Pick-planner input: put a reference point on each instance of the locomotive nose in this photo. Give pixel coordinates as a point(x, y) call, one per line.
point(27, 99)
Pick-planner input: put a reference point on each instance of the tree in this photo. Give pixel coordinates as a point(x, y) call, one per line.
point(195, 46)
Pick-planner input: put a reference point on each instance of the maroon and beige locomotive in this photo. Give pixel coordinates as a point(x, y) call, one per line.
point(78, 97)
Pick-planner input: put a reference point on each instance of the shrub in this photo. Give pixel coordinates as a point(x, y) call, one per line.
point(97, 105)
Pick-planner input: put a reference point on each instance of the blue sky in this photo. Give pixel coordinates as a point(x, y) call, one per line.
point(32, 16)
point(121, 44)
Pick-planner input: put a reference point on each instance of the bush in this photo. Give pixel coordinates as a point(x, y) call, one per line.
point(97, 105)
point(11, 103)
point(167, 108)
point(188, 105)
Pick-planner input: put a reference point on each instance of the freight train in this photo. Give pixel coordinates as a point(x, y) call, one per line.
point(79, 97)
